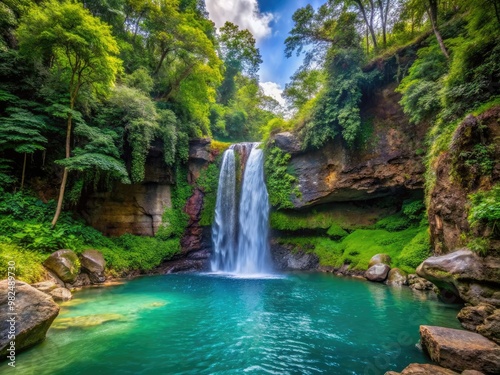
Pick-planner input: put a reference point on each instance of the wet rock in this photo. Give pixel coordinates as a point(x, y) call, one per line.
point(472, 316)
point(423, 369)
point(378, 272)
point(491, 327)
point(465, 275)
point(45, 286)
point(86, 321)
point(472, 372)
point(396, 277)
point(419, 283)
point(64, 264)
point(378, 259)
point(82, 279)
point(35, 313)
point(192, 239)
point(285, 258)
point(460, 350)
point(93, 264)
point(61, 294)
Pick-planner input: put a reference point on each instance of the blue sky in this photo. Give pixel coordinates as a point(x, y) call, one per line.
point(270, 22)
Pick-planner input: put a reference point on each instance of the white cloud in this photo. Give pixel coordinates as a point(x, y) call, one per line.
point(273, 90)
point(244, 13)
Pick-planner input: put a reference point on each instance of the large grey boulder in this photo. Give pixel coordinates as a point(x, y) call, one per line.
point(465, 275)
point(378, 272)
point(64, 264)
point(35, 313)
point(93, 264)
point(379, 259)
point(460, 350)
point(396, 277)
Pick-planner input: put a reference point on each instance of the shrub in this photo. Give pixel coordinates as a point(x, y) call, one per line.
point(280, 182)
point(27, 263)
point(485, 208)
point(415, 252)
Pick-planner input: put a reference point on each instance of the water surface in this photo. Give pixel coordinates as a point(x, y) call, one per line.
point(211, 324)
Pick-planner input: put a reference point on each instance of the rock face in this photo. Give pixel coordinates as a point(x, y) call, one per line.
point(35, 313)
point(135, 208)
point(93, 264)
point(396, 277)
point(465, 275)
point(448, 198)
point(460, 350)
point(389, 163)
point(377, 272)
point(285, 259)
point(65, 265)
point(380, 258)
point(483, 319)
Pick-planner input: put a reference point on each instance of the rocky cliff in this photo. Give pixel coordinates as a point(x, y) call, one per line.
point(389, 161)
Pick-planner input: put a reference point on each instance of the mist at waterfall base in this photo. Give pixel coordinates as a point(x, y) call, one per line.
point(306, 323)
point(240, 232)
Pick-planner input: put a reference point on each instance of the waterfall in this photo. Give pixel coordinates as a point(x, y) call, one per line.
point(242, 246)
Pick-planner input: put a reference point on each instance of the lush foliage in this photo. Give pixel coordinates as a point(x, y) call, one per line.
point(281, 184)
point(485, 208)
point(208, 182)
point(27, 236)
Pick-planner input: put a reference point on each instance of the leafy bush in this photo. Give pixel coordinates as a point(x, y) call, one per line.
point(394, 223)
point(413, 209)
point(280, 182)
point(485, 208)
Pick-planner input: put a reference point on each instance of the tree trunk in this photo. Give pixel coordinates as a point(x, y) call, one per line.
point(65, 173)
point(369, 23)
point(24, 171)
point(432, 10)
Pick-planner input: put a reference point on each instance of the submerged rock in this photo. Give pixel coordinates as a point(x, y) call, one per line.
point(35, 313)
point(86, 321)
point(465, 275)
point(378, 272)
point(460, 350)
point(64, 264)
point(396, 277)
point(378, 259)
point(93, 264)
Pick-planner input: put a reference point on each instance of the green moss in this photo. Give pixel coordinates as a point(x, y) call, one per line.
point(174, 218)
point(415, 252)
point(357, 248)
point(280, 181)
point(218, 147)
point(293, 220)
point(207, 182)
point(336, 232)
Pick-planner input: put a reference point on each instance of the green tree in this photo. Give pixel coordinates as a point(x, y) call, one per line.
point(78, 47)
point(240, 55)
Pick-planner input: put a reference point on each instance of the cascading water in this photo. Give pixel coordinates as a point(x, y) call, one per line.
point(242, 246)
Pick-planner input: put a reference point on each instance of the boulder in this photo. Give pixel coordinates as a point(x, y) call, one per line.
point(286, 257)
point(380, 258)
point(491, 327)
point(288, 142)
point(45, 286)
point(473, 316)
point(82, 279)
point(93, 264)
point(378, 272)
point(460, 350)
point(61, 294)
point(423, 369)
point(396, 277)
point(35, 313)
point(464, 275)
point(419, 283)
point(65, 265)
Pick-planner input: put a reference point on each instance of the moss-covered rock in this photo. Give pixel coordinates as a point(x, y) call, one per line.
point(396, 277)
point(65, 265)
point(377, 272)
point(378, 259)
